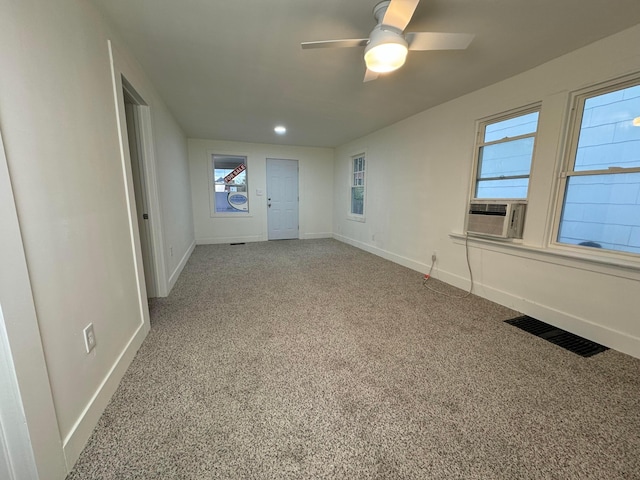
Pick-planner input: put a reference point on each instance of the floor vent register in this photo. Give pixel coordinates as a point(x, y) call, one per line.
point(557, 336)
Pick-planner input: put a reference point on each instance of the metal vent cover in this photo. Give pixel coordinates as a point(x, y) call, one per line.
point(557, 336)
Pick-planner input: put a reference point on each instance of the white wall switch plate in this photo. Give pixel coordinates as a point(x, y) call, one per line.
point(89, 337)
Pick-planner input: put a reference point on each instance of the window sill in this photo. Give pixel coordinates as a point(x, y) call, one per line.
point(230, 215)
point(356, 218)
point(601, 262)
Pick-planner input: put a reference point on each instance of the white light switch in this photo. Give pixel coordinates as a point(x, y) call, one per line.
point(89, 337)
point(259, 192)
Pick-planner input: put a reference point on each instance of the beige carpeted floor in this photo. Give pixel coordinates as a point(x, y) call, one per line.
point(313, 359)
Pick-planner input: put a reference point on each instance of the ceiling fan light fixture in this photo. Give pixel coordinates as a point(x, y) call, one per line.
point(386, 57)
point(386, 52)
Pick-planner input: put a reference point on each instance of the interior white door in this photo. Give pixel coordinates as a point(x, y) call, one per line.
point(282, 199)
point(5, 470)
point(16, 454)
point(140, 189)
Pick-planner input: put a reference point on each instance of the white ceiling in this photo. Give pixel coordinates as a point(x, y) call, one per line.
point(233, 69)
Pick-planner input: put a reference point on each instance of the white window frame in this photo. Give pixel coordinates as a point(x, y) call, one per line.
point(578, 99)
point(360, 217)
point(212, 190)
point(482, 125)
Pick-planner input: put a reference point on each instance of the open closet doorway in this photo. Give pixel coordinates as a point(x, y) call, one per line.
point(133, 104)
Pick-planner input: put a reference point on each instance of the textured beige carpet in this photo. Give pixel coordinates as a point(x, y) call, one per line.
point(313, 359)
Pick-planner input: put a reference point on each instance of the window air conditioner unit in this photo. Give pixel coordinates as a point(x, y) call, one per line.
point(496, 218)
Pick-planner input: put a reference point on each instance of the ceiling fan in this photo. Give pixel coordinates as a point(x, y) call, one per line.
point(387, 46)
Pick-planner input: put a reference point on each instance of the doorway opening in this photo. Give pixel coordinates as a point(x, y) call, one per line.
point(133, 105)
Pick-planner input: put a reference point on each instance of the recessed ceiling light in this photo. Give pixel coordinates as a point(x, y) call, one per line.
point(636, 122)
point(280, 130)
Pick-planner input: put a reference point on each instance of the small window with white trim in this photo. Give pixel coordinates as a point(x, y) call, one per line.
point(504, 151)
point(357, 185)
point(229, 184)
point(600, 185)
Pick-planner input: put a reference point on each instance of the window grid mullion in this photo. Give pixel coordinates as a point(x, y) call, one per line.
point(506, 139)
point(612, 171)
point(502, 177)
point(575, 136)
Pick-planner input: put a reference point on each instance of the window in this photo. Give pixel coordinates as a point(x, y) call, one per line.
point(504, 152)
point(357, 185)
point(229, 184)
point(600, 186)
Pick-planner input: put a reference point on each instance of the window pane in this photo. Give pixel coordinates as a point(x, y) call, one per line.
point(608, 136)
point(603, 210)
point(357, 186)
point(508, 188)
point(223, 205)
point(240, 179)
point(223, 166)
point(357, 200)
point(513, 127)
point(506, 159)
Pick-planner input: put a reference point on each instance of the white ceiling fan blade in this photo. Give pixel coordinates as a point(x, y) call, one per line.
point(438, 41)
point(399, 13)
point(370, 75)
point(347, 42)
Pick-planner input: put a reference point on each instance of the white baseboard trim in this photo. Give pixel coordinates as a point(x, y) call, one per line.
point(76, 440)
point(218, 240)
point(173, 278)
point(614, 339)
point(315, 236)
point(399, 259)
point(256, 238)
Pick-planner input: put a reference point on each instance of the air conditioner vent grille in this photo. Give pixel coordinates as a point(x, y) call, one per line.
point(504, 219)
point(488, 208)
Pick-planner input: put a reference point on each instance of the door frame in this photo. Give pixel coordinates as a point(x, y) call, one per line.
point(148, 161)
point(31, 437)
point(134, 128)
point(16, 453)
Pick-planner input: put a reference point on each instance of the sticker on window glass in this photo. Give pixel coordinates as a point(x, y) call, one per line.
point(238, 200)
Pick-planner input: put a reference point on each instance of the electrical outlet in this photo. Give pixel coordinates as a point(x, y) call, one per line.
point(89, 337)
point(433, 257)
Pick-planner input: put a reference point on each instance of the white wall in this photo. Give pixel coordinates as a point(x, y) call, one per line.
point(175, 188)
point(418, 177)
point(58, 118)
point(315, 189)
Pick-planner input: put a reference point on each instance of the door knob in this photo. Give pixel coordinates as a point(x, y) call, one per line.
point(269, 205)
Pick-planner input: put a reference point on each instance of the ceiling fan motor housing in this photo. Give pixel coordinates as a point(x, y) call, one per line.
point(384, 34)
point(380, 9)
